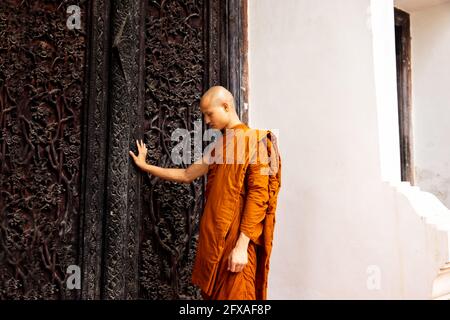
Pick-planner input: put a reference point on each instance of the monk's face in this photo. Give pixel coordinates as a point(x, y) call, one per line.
point(216, 114)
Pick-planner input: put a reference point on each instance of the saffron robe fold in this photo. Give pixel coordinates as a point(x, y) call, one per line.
point(241, 196)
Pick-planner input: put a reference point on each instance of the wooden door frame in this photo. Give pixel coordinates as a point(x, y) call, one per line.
point(404, 94)
point(111, 186)
point(234, 52)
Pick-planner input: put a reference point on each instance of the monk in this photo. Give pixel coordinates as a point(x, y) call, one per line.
point(237, 224)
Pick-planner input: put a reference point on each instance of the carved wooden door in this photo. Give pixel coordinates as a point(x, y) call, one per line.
point(72, 103)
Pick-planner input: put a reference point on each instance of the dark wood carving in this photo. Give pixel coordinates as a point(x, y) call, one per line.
point(123, 189)
point(72, 104)
point(190, 45)
point(175, 78)
point(93, 201)
point(41, 107)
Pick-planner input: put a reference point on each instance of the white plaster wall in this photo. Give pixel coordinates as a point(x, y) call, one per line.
point(340, 228)
point(382, 23)
point(430, 33)
point(414, 5)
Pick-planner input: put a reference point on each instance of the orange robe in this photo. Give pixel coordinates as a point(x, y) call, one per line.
point(239, 198)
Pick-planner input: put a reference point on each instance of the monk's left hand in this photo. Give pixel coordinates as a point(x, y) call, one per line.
point(237, 259)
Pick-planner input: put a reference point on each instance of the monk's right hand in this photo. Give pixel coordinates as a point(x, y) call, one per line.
point(140, 159)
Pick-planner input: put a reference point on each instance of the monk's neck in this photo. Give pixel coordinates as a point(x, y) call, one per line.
point(233, 124)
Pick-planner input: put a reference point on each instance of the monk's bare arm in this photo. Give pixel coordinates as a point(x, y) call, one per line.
point(242, 241)
point(187, 175)
point(195, 170)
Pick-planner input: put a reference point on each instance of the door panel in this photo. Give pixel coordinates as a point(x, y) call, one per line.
point(41, 106)
point(73, 102)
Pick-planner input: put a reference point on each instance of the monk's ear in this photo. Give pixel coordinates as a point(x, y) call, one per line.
point(226, 106)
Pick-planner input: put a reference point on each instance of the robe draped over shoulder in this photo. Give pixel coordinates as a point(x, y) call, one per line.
point(241, 195)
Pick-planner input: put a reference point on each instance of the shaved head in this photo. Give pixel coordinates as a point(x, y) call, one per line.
point(217, 95)
point(219, 108)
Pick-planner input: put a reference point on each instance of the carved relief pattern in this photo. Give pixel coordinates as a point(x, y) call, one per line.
point(174, 80)
point(213, 42)
point(122, 216)
point(41, 99)
point(69, 192)
point(95, 157)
